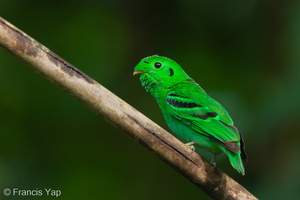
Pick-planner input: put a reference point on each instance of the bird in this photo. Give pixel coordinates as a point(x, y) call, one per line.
point(193, 116)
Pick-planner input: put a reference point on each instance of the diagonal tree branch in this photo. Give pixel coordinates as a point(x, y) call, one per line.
point(120, 114)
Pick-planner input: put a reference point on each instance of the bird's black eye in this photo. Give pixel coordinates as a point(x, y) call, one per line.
point(157, 65)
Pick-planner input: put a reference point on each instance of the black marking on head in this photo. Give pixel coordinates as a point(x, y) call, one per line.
point(146, 62)
point(171, 72)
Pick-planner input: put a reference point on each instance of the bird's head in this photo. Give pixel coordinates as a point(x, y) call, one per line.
point(158, 71)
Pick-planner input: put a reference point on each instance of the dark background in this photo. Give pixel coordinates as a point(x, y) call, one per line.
point(245, 54)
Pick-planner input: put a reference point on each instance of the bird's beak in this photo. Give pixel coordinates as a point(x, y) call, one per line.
point(139, 72)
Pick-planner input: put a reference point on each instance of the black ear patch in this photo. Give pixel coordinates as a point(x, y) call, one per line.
point(171, 72)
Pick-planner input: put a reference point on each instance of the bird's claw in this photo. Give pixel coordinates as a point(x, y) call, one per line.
point(213, 160)
point(191, 145)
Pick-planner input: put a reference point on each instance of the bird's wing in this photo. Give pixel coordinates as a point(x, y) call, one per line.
point(205, 116)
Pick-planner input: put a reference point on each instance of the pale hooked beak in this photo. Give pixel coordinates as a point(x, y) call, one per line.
point(139, 72)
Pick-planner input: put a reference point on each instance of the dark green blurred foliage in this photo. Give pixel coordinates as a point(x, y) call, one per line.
point(243, 53)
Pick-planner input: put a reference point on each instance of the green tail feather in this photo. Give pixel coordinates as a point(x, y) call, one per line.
point(236, 161)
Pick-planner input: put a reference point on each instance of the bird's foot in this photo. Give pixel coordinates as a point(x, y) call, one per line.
point(191, 145)
point(213, 160)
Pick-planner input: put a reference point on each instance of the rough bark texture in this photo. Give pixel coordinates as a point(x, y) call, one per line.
point(120, 114)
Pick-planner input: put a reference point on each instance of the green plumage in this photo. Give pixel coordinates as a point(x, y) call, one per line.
point(189, 112)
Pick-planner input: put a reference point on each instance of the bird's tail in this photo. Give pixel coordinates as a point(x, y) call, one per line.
point(236, 161)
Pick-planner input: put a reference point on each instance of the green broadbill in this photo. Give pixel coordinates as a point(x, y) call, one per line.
point(190, 113)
